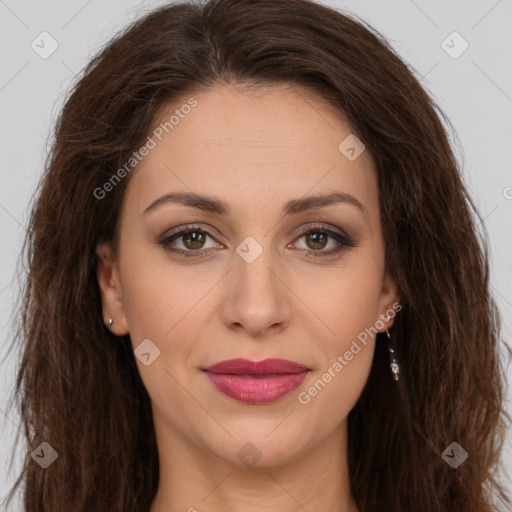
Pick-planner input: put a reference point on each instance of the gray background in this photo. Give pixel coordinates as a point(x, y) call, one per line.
point(474, 90)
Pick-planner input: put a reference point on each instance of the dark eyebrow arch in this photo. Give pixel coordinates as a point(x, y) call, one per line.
point(220, 207)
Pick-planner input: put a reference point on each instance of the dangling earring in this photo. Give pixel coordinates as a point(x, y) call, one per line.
point(395, 369)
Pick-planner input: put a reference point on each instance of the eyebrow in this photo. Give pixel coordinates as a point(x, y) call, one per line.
point(220, 207)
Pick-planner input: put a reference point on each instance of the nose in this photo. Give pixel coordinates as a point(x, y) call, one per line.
point(256, 296)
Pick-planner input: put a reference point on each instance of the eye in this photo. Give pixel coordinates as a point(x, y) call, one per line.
point(192, 241)
point(317, 239)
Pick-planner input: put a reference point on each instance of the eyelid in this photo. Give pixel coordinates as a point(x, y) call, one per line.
point(324, 227)
point(302, 230)
point(183, 230)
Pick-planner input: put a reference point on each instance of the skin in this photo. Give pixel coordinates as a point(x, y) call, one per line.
point(256, 151)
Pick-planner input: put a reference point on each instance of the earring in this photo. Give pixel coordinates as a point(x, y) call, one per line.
point(395, 369)
point(110, 321)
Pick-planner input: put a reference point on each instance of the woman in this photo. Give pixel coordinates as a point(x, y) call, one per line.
point(255, 281)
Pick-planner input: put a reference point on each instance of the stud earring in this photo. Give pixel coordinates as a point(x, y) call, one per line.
point(110, 321)
point(395, 369)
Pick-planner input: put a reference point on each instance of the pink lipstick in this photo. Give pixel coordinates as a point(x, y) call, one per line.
point(256, 382)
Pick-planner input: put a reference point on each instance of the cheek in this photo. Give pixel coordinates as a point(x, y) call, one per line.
point(158, 298)
point(166, 306)
point(348, 306)
point(149, 304)
point(349, 302)
point(347, 348)
point(163, 309)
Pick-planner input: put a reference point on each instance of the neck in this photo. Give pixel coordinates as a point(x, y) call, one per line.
point(195, 480)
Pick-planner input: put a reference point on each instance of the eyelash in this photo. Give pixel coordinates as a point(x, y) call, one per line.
point(342, 239)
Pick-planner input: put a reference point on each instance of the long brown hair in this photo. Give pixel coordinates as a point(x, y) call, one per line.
point(78, 387)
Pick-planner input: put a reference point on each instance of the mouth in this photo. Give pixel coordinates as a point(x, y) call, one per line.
point(254, 382)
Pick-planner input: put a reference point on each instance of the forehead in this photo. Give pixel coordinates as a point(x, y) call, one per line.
point(252, 148)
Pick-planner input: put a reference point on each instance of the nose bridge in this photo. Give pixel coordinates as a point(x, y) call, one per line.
point(255, 270)
point(256, 296)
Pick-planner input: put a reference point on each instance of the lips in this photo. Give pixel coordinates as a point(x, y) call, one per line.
point(265, 367)
point(256, 382)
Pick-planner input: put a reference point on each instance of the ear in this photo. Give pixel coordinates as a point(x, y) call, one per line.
point(389, 305)
point(110, 290)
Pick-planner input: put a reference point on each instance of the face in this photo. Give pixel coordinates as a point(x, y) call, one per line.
point(264, 269)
